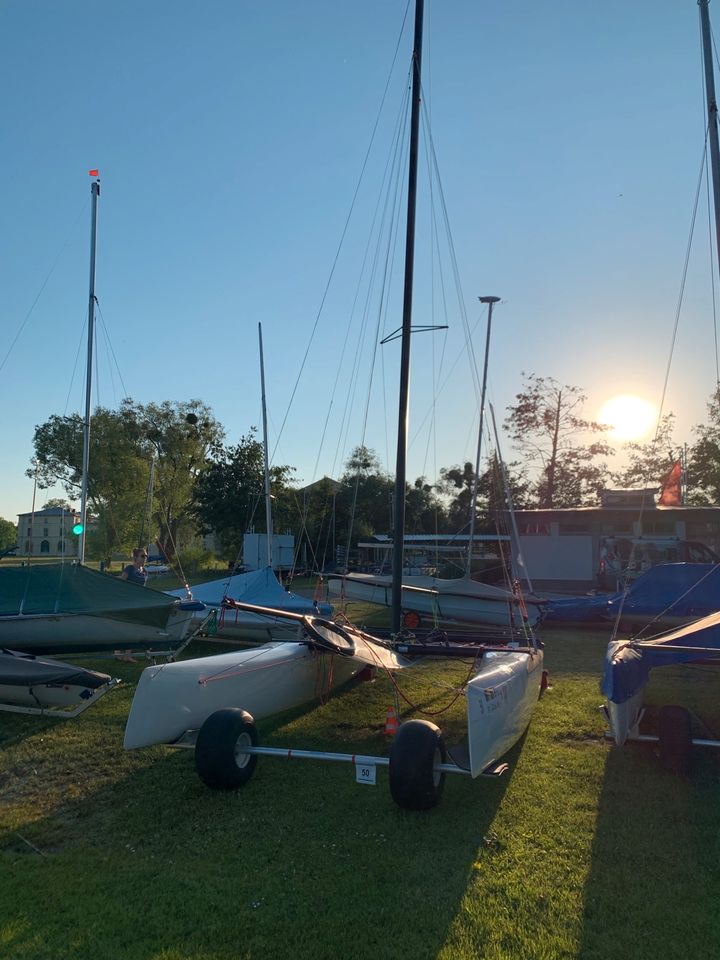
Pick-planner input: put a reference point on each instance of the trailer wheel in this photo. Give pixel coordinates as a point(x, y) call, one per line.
point(218, 762)
point(414, 782)
point(675, 739)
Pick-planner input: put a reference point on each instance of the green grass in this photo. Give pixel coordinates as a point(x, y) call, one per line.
point(580, 851)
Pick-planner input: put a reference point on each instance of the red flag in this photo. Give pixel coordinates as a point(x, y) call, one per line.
point(94, 173)
point(671, 493)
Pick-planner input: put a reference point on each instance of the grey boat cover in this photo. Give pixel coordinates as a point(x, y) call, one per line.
point(68, 588)
point(24, 670)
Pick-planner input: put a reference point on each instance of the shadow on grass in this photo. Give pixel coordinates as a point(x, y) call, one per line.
point(303, 862)
point(653, 886)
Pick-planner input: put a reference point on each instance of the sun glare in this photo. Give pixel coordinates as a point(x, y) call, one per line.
point(629, 417)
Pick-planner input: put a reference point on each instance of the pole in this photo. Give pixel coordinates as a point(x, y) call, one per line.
point(399, 519)
point(712, 116)
point(268, 507)
point(490, 301)
point(95, 192)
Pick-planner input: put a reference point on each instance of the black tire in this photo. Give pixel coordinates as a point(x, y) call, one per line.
point(675, 739)
point(217, 762)
point(414, 782)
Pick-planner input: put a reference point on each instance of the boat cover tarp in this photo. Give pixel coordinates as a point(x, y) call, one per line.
point(260, 587)
point(25, 670)
point(689, 590)
point(628, 662)
point(588, 609)
point(64, 588)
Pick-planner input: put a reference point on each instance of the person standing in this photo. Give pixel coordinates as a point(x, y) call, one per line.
point(135, 572)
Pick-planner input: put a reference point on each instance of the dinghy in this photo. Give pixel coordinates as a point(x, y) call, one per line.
point(48, 687)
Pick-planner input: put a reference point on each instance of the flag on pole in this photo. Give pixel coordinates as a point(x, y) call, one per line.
point(94, 173)
point(671, 492)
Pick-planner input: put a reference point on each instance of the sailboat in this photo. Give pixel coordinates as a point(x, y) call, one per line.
point(628, 662)
point(211, 704)
point(458, 599)
point(67, 607)
point(259, 588)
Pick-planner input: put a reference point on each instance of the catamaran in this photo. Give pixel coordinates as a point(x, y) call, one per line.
point(211, 704)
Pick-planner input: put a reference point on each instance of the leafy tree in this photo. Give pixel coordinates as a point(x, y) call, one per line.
point(8, 534)
point(703, 468)
point(228, 493)
point(122, 443)
point(546, 425)
point(57, 502)
point(364, 502)
point(424, 510)
point(117, 475)
point(179, 436)
point(648, 463)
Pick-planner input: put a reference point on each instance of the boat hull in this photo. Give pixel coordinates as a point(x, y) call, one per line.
point(80, 633)
point(501, 699)
point(465, 600)
point(173, 698)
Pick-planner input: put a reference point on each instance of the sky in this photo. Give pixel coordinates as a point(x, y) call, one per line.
point(230, 138)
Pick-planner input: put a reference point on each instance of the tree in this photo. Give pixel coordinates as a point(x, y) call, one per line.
point(179, 436)
point(117, 474)
point(8, 534)
point(228, 493)
point(546, 425)
point(364, 502)
point(703, 468)
point(58, 502)
point(648, 463)
point(175, 435)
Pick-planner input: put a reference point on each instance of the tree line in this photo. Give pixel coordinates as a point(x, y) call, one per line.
point(164, 472)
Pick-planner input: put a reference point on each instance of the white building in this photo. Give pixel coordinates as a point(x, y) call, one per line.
point(48, 533)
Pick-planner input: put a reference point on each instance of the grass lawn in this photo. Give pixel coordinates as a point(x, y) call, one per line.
point(582, 850)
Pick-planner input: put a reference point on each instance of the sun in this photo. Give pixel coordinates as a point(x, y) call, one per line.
point(629, 417)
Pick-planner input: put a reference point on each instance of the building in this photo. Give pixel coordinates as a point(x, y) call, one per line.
point(562, 549)
point(48, 533)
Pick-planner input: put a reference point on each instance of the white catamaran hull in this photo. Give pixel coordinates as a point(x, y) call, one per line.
point(173, 698)
point(459, 599)
point(501, 699)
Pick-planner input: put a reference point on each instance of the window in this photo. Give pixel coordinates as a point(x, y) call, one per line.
point(45, 547)
point(61, 546)
point(45, 531)
point(573, 529)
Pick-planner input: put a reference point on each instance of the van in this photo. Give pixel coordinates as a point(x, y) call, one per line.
point(625, 558)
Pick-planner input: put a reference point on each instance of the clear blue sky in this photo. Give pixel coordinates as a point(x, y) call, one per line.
point(229, 138)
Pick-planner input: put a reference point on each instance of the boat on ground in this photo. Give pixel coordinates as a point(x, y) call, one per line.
point(260, 588)
point(51, 608)
point(459, 599)
point(628, 664)
point(46, 687)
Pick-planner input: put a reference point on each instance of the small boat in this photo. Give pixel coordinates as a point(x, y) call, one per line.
point(628, 664)
point(48, 687)
point(260, 588)
point(68, 608)
point(211, 704)
point(457, 599)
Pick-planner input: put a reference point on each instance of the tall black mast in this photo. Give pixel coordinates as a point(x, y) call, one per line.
point(712, 109)
point(399, 518)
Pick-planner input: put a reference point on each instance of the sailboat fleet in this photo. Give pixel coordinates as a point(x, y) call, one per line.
point(211, 704)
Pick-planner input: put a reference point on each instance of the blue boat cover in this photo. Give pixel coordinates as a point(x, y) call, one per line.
point(628, 662)
point(678, 590)
point(587, 609)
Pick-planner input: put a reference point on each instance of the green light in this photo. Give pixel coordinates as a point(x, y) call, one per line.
point(78, 529)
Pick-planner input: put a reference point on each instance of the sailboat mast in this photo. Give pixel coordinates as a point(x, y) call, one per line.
point(95, 193)
point(400, 469)
point(712, 109)
point(268, 506)
point(473, 500)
